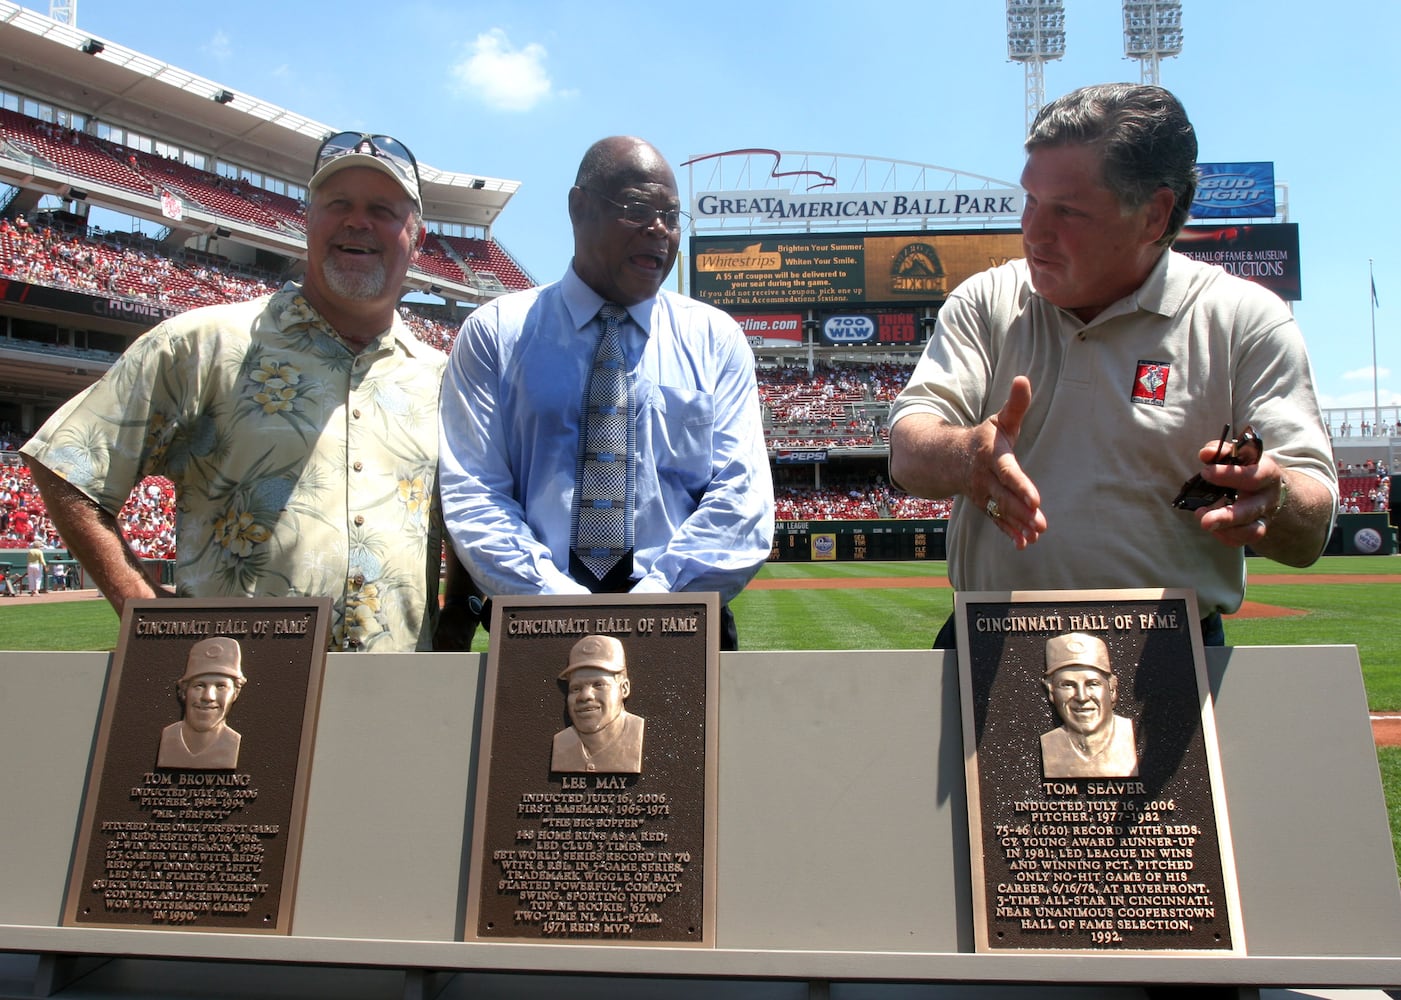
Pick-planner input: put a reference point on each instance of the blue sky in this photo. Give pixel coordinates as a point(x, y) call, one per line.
point(520, 89)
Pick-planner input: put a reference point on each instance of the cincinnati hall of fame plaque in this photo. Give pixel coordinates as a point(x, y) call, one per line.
point(596, 786)
point(193, 813)
point(1097, 816)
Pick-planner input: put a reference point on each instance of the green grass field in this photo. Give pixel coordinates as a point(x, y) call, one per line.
point(1362, 614)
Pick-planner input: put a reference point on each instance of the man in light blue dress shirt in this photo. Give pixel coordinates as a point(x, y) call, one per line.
point(512, 409)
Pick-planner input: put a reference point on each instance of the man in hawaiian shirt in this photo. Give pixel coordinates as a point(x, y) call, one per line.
point(299, 429)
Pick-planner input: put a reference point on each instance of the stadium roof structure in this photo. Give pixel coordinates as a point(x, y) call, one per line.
point(74, 69)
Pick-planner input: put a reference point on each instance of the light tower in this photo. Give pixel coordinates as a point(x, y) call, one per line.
point(64, 11)
point(1152, 30)
point(1035, 36)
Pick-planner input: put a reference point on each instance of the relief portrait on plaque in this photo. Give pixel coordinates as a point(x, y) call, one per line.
point(605, 737)
point(211, 683)
point(1091, 742)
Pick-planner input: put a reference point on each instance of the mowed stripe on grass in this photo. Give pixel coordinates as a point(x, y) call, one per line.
point(932, 581)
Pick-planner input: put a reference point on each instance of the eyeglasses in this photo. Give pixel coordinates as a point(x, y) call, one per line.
point(383, 147)
point(643, 216)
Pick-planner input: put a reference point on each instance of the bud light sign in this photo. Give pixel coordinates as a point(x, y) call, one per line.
point(844, 330)
point(1235, 191)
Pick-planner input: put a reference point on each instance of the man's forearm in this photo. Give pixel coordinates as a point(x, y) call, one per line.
point(1298, 530)
point(91, 534)
point(929, 457)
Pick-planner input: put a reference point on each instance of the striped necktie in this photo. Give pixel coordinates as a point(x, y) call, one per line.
point(605, 486)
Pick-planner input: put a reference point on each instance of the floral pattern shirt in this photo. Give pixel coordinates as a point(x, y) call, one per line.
point(300, 467)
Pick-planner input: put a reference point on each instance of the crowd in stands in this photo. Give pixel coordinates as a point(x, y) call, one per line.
point(45, 255)
point(82, 155)
point(434, 332)
point(830, 406)
point(1365, 428)
point(147, 519)
point(22, 516)
point(792, 394)
point(76, 154)
point(854, 502)
point(810, 503)
point(1362, 490)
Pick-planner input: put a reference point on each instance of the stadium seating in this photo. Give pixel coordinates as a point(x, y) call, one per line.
point(220, 196)
point(1368, 492)
point(45, 256)
point(435, 259)
point(74, 153)
point(486, 257)
point(86, 157)
point(147, 519)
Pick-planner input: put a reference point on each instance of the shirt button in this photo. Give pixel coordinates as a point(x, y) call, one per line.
point(359, 520)
point(355, 413)
point(358, 466)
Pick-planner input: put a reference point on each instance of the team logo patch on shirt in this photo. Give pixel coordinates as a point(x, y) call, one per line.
point(1150, 383)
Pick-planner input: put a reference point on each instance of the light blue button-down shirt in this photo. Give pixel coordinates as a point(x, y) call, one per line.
point(511, 408)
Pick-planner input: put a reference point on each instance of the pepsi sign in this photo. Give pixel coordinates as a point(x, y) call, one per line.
point(797, 457)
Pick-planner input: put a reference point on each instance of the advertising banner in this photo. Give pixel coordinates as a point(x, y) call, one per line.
point(899, 328)
point(782, 206)
point(773, 330)
point(140, 313)
point(1267, 254)
point(918, 269)
point(745, 272)
point(1235, 191)
point(800, 456)
point(886, 327)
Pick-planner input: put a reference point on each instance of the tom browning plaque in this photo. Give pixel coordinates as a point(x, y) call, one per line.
point(595, 808)
point(1097, 817)
point(193, 812)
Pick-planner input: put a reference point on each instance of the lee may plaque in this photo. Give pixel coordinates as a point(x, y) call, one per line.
point(193, 812)
point(1097, 818)
point(595, 802)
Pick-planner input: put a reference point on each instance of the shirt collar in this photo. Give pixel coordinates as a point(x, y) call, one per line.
point(584, 303)
point(294, 312)
point(1164, 288)
point(1161, 292)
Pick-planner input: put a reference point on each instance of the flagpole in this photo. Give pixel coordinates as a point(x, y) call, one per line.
point(1376, 406)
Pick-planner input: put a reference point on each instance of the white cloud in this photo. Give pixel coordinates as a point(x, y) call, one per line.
point(502, 77)
point(1358, 374)
point(219, 47)
point(1360, 400)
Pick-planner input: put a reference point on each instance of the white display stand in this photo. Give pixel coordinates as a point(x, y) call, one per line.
point(842, 855)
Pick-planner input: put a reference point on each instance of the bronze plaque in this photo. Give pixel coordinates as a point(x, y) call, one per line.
point(197, 789)
point(1097, 818)
point(595, 807)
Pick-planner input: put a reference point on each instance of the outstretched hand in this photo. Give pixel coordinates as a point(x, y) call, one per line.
point(996, 481)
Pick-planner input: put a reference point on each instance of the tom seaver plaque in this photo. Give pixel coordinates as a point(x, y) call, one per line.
point(1097, 816)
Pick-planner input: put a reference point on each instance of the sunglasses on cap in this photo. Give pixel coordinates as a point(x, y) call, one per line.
point(382, 147)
